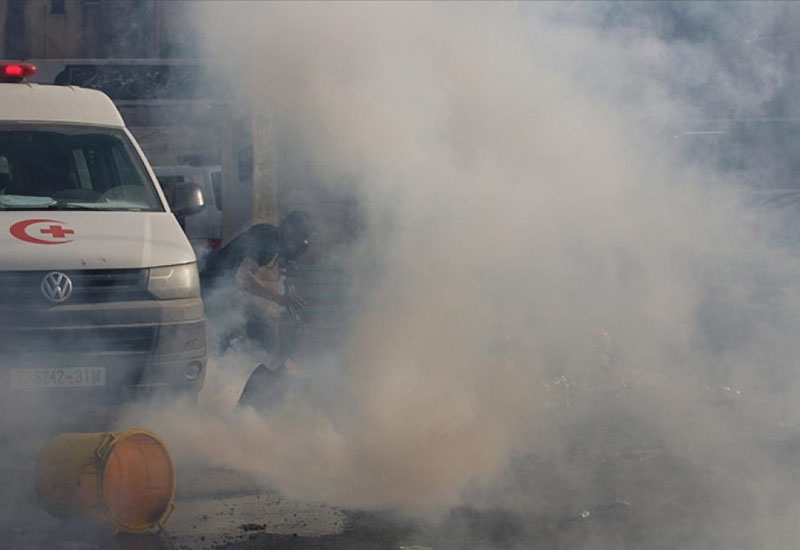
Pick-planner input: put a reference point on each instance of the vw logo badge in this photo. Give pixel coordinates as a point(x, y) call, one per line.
point(56, 287)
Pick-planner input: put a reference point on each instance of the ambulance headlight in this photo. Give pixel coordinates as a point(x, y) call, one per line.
point(174, 281)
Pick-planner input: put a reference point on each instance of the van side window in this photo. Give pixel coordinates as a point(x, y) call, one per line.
point(216, 186)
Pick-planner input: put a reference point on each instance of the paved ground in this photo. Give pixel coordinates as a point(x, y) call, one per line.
point(214, 508)
point(222, 509)
point(613, 488)
point(641, 499)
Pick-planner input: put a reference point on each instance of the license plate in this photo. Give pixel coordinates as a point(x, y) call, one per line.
point(69, 377)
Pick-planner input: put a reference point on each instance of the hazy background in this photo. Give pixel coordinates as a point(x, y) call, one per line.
point(550, 279)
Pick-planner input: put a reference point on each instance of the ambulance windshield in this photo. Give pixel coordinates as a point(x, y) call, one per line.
point(71, 167)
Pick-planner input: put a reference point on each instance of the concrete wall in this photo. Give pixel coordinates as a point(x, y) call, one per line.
point(3, 9)
point(97, 29)
point(30, 30)
point(14, 29)
point(57, 36)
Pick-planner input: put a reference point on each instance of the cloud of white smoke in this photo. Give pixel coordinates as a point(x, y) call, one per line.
point(524, 193)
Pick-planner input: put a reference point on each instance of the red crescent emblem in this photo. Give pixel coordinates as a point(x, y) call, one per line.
point(54, 229)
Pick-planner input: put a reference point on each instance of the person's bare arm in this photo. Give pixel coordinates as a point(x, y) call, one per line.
point(248, 281)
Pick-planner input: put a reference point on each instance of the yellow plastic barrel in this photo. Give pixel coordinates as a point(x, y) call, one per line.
point(125, 480)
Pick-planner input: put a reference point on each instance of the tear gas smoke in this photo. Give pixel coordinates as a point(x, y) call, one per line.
point(525, 192)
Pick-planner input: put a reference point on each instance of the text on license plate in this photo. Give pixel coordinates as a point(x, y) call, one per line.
point(64, 377)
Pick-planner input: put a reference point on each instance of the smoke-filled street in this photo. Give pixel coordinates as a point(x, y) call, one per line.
point(399, 275)
point(650, 498)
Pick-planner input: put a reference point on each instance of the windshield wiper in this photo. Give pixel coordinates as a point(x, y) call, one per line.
point(72, 206)
point(25, 202)
point(61, 206)
point(50, 206)
point(95, 207)
point(33, 203)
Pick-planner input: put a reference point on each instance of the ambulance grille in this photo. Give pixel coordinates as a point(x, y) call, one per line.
point(101, 285)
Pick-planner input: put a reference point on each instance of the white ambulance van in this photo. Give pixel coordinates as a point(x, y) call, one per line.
point(99, 291)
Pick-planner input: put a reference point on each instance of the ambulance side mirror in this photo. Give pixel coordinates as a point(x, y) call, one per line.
point(186, 199)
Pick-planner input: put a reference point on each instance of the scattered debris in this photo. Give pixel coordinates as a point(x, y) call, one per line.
point(253, 527)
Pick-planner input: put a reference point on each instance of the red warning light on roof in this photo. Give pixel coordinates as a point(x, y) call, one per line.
point(15, 72)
